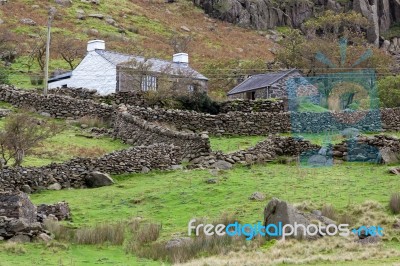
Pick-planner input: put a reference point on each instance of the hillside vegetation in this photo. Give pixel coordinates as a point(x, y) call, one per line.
point(138, 27)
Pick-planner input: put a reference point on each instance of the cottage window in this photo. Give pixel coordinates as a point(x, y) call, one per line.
point(191, 88)
point(149, 83)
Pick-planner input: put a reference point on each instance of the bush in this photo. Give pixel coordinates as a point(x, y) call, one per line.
point(389, 94)
point(394, 204)
point(4, 76)
point(200, 102)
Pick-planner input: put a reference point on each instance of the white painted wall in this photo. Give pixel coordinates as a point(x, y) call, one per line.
point(94, 72)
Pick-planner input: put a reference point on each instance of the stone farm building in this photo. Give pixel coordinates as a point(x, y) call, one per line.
point(109, 72)
point(264, 86)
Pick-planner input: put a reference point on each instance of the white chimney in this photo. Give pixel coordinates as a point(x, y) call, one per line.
point(181, 58)
point(96, 45)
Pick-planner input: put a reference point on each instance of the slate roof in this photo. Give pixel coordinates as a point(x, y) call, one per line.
point(157, 65)
point(60, 77)
point(259, 81)
point(114, 58)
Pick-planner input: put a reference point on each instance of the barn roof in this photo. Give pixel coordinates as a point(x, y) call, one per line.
point(260, 81)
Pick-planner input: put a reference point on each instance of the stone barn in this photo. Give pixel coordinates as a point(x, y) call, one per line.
point(264, 86)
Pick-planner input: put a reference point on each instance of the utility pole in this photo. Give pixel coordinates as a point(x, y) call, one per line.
point(52, 12)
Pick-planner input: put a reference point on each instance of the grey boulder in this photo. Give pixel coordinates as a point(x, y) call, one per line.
point(98, 179)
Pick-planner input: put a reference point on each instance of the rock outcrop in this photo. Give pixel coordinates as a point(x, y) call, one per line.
point(18, 218)
point(278, 211)
point(267, 14)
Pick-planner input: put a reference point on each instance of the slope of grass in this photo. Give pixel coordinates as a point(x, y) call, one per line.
point(69, 144)
point(144, 27)
point(175, 197)
point(70, 255)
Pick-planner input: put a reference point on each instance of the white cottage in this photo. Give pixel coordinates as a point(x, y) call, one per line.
point(98, 70)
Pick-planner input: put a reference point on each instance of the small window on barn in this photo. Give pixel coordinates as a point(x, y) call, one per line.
point(149, 83)
point(191, 88)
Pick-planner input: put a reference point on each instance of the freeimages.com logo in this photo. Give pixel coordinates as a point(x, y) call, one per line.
point(280, 230)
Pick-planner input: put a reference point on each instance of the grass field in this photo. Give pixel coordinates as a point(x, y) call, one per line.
point(173, 198)
point(68, 255)
point(69, 143)
point(234, 143)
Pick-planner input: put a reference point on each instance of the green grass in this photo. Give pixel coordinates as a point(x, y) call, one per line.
point(235, 143)
point(55, 149)
point(38, 254)
point(310, 107)
point(20, 77)
point(318, 138)
point(68, 144)
point(175, 197)
point(394, 31)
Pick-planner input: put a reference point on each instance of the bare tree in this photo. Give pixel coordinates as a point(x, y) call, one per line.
point(37, 50)
point(133, 73)
point(8, 45)
point(69, 49)
point(21, 134)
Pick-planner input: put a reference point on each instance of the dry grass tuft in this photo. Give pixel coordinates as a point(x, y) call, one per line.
point(103, 233)
point(394, 203)
point(59, 231)
point(333, 250)
point(13, 248)
point(329, 211)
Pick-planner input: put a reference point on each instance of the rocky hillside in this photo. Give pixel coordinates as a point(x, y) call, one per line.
point(266, 14)
point(138, 27)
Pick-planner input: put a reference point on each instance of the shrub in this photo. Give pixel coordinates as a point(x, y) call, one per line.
point(389, 94)
point(394, 203)
point(4, 75)
point(162, 98)
point(21, 134)
point(200, 102)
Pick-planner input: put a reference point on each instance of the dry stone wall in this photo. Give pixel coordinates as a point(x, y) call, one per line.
point(137, 131)
point(73, 173)
point(54, 105)
point(233, 123)
point(263, 123)
point(249, 106)
point(130, 98)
